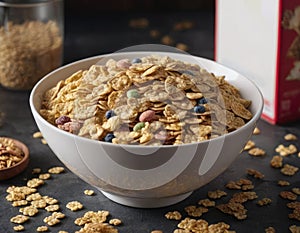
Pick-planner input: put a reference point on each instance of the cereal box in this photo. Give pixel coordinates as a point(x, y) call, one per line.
point(261, 40)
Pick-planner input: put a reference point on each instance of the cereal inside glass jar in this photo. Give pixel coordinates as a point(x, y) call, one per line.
point(31, 42)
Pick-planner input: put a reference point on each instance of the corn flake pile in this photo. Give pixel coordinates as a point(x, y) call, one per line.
point(150, 101)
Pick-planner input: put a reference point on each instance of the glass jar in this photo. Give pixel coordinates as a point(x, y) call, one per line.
point(31, 41)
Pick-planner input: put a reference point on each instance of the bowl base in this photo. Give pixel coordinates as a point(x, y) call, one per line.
point(146, 202)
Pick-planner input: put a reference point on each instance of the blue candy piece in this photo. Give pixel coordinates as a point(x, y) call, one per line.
point(199, 109)
point(202, 101)
point(136, 60)
point(109, 114)
point(109, 137)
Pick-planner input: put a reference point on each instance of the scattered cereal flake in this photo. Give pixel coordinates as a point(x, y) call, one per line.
point(44, 176)
point(74, 205)
point(276, 161)
point(39, 203)
point(233, 208)
point(19, 203)
point(255, 173)
point(139, 23)
point(51, 220)
point(154, 33)
point(296, 191)
point(29, 210)
point(206, 202)
point(243, 184)
point(183, 25)
point(295, 214)
point(264, 201)
point(56, 170)
point(52, 208)
point(289, 170)
point(50, 200)
point(218, 227)
point(182, 46)
point(242, 197)
point(97, 227)
point(293, 205)
point(19, 228)
point(286, 150)
point(173, 215)
point(37, 135)
point(193, 224)
point(15, 196)
point(89, 192)
point(91, 216)
point(36, 170)
point(270, 230)
point(156, 231)
point(167, 40)
point(249, 145)
point(290, 137)
point(42, 228)
point(283, 183)
point(34, 183)
point(58, 215)
point(294, 229)
point(63, 232)
point(115, 221)
point(43, 140)
point(216, 194)
point(195, 211)
point(256, 131)
point(256, 152)
point(19, 219)
point(34, 197)
point(288, 195)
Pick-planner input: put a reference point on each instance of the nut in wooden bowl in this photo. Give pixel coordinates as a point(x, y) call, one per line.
point(14, 157)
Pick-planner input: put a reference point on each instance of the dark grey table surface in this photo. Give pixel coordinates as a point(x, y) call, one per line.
point(103, 34)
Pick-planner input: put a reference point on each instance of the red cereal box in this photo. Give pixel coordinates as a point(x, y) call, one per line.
point(261, 40)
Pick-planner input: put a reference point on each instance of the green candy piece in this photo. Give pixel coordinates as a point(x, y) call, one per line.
point(138, 126)
point(132, 93)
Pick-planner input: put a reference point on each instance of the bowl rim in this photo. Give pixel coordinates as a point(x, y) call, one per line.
point(254, 118)
point(25, 158)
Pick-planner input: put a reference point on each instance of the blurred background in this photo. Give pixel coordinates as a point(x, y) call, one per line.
point(94, 27)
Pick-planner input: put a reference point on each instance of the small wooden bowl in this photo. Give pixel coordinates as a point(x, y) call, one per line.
point(14, 170)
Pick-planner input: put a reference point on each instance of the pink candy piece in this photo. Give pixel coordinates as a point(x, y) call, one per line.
point(147, 116)
point(162, 136)
point(123, 64)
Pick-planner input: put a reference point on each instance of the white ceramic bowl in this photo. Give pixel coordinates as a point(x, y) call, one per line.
point(146, 176)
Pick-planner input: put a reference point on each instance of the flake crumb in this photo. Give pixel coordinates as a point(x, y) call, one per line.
point(256, 174)
point(115, 222)
point(42, 229)
point(257, 152)
point(256, 131)
point(290, 137)
point(289, 170)
point(270, 230)
point(74, 205)
point(19, 228)
point(56, 170)
point(276, 161)
point(283, 183)
point(89, 192)
point(173, 215)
